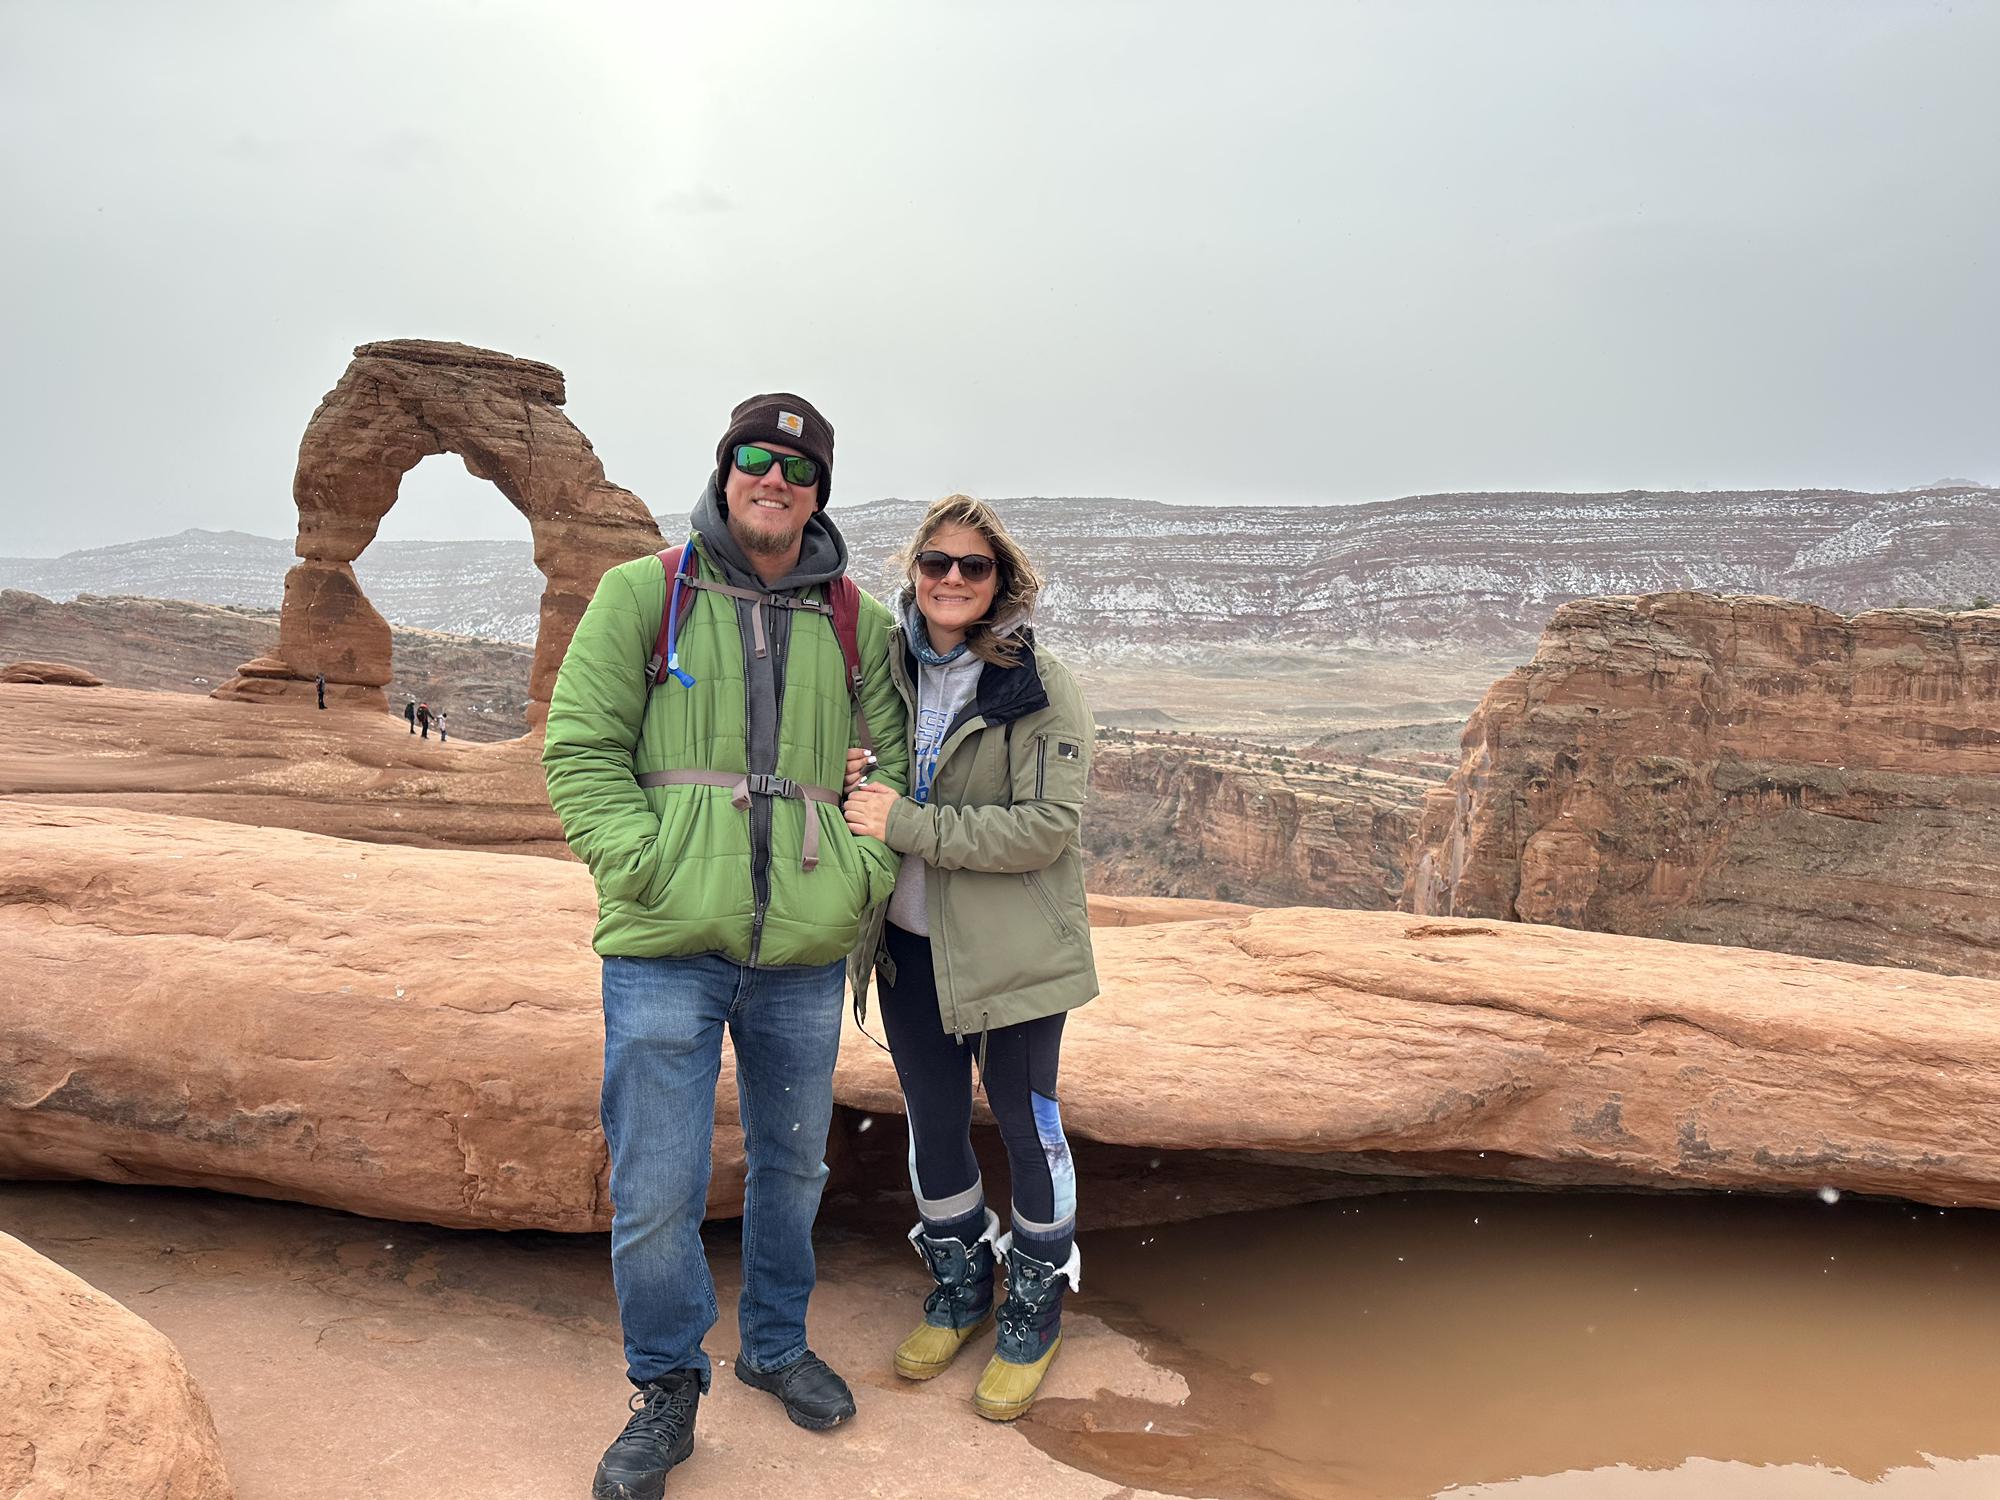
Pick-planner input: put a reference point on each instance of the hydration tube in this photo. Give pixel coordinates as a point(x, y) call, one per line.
point(685, 679)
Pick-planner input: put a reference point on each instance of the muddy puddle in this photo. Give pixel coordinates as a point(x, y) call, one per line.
point(1541, 1347)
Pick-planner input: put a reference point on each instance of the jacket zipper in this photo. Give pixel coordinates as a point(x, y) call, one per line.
point(935, 881)
point(760, 847)
point(1056, 920)
point(1041, 763)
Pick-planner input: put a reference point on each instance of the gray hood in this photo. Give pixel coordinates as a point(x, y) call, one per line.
point(822, 552)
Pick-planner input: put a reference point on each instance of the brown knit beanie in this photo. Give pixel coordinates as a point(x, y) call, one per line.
point(778, 418)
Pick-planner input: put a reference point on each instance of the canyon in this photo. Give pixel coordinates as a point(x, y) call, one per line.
point(1241, 822)
point(1139, 580)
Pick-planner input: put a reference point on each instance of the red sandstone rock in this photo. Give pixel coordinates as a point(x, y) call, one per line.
point(172, 646)
point(416, 1034)
point(389, 1031)
point(399, 402)
point(352, 775)
point(48, 674)
point(1376, 1042)
point(94, 1402)
point(1736, 770)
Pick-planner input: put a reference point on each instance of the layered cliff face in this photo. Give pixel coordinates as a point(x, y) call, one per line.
point(1176, 819)
point(1736, 770)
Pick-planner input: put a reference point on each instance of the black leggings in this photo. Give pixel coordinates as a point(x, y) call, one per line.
point(935, 1069)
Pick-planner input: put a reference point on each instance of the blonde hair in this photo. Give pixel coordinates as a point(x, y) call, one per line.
point(1016, 583)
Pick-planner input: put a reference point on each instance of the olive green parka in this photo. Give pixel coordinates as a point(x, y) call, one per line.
point(1010, 927)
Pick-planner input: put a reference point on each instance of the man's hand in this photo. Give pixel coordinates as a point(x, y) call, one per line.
point(860, 763)
point(867, 810)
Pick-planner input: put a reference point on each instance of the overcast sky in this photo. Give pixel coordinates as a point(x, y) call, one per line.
point(1209, 252)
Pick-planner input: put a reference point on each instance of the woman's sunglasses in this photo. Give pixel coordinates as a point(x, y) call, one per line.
point(757, 462)
point(937, 565)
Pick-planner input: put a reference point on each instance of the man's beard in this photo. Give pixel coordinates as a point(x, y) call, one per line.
point(761, 543)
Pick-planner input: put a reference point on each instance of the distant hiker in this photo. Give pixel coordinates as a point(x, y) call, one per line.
point(319, 687)
point(410, 713)
point(985, 946)
point(424, 720)
point(700, 784)
point(441, 716)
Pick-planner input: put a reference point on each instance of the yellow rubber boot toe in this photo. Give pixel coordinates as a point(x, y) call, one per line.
point(1006, 1390)
point(929, 1351)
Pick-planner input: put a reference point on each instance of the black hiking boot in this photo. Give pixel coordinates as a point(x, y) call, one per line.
point(812, 1394)
point(659, 1435)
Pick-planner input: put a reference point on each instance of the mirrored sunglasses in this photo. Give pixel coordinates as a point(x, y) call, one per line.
point(757, 462)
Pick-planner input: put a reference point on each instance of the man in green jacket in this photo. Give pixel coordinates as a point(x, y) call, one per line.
point(729, 891)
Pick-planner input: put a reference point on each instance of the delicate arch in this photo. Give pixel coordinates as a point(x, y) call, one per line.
point(400, 402)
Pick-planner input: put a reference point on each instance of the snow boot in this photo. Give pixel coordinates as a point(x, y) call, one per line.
point(1030, 1324)
point(957, 1307)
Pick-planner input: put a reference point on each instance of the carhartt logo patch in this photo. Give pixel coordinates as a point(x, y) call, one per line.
point(792, 422)
point(1067, 751)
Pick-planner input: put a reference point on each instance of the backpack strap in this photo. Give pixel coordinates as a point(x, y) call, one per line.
point(742, 788)
point(843, 608)
point(679, 565)
point(844, 595)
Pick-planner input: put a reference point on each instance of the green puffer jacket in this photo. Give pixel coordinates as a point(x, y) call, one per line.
point(1010, 926)
point(673, 863)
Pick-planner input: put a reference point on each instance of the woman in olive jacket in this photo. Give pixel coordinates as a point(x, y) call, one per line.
point(985, 946)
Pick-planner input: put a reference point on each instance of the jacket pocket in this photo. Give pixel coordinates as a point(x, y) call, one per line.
point(1047, 903)
point(677, 820)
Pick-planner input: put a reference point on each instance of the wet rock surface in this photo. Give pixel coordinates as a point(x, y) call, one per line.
point(95, 1404)
point(347, 1357)
point(1736, 770)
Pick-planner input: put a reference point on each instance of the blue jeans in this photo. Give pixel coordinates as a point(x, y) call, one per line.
point(663, 1023)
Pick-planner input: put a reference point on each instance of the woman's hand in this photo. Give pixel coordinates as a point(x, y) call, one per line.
point(859, 764)
point(867, 810)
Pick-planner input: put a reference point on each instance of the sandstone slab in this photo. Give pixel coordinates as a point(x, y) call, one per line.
point(94, 1402)
point(49, 674)
point(406, 1034)
point(1736, 770)
point(415, 1034)
point(352, 775)
point(1378, 1043)
point(1142, 911)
